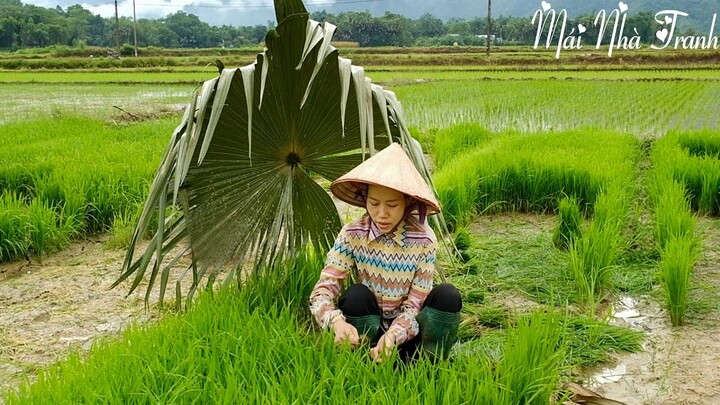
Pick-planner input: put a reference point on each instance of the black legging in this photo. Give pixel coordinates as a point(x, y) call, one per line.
point(358, 301)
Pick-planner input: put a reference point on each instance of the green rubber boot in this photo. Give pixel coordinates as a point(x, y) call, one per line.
point(367, 326)
point(438, 332)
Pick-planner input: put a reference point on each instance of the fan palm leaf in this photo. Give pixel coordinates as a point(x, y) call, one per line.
point(244, 160)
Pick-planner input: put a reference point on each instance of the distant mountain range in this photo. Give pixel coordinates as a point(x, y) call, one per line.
point(700, 11)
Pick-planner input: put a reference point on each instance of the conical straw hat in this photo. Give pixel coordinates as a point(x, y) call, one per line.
point(391, 168)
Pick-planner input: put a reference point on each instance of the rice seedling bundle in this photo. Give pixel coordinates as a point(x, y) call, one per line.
point(570, 219)
point(676, 265)
point(673, 219)
point(594, 254)
point(528, 173)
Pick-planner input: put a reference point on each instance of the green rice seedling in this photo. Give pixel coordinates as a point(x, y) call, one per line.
point(123, 227)
point(47, 231)
point(591, 342)
point(457, 188)
point(488, 346)
point(462, 239)
point(84, 170)
point(451, 142)
point(676, 267)
point(17, 179)
point(285, 284)
point(570, 220)
point(462, 243)
point(14, 234)
point(495, 104)
point(231, 346)
point(528, 173)
point(709, 203)
point(689, 158)
point(594, 254)
point(493, 316)
point(471, 288)
point(700, 143)
point(532, 361)
point(673, 219)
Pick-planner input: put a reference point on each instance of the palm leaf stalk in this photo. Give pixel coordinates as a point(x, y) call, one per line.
point(243, 161)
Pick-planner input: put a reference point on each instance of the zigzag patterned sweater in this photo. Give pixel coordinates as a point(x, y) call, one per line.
point(397, 267)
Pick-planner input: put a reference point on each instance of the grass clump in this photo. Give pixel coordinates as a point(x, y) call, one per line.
point(570, 220)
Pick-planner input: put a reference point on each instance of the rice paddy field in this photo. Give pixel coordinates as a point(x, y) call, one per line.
point(582, 198)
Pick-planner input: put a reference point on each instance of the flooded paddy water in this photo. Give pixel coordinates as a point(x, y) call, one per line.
point(30, 101)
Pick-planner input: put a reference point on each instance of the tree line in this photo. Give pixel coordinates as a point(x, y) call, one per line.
point(28, 26)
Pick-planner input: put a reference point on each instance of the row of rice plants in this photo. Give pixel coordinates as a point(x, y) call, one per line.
point(683, 164)
point(253, 346)
point(112, 76)
point(72, 176)
point(561, 105)
point(198, 74)
point(677, 245)
point(481, 173)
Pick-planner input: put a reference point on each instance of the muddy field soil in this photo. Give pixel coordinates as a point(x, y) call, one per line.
point(679, 366)
point(61, 304)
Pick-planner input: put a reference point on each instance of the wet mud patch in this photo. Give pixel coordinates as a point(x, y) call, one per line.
point(681, 365)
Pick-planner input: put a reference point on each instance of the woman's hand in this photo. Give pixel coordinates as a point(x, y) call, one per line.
point(345, 332)
point(384, 348)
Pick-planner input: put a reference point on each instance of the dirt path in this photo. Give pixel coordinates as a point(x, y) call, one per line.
point(61, 304)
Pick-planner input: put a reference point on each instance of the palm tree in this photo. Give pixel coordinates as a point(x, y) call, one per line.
point(243, 163)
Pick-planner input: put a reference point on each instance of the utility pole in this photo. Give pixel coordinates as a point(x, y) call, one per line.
point(135, 28)
point(117, 29)
point(489, 26)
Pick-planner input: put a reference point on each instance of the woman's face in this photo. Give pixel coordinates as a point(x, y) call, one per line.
point(386, 207)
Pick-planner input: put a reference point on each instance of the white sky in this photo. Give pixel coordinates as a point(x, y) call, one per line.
point(235, 12)
point(259, 12)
